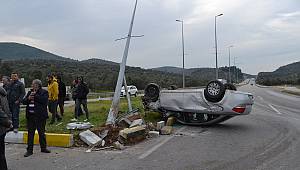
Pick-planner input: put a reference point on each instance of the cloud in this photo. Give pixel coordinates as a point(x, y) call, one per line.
point(261, 31)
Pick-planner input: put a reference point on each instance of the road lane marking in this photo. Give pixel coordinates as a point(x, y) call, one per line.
point(260, 97)
point(275, 109)
point(150, 151)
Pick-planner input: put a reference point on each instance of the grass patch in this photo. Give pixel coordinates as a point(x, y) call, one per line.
point(98, 114)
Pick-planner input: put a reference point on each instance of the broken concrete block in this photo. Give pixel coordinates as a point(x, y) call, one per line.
point(103, 134)
point(124, 123)
point(153, 134)
point(132, 131)
point(133, 135)
point(170, 121)
point(89, 137)
point(118, 145)
point(134, 116)
point(137, 122)
point(151, 126)
point(160, 125)
point(166, 130)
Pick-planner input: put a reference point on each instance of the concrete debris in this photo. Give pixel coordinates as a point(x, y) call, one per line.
point(153, 134)
point(134, 116)
point(131, 131)
point(170, 121)
point(118, 145)
point(160, 125)
point(79, 125)
point(137, 122)
point(150, 126)
point(103, 143)
point(103, 134)
point(124, 123)
point(133, 135)
point(89, 137)
point(104, 148)
point(166, 130)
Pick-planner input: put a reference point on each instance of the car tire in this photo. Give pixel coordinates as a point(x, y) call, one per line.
point(152, 92)
point(214, 91)
point(229, 86)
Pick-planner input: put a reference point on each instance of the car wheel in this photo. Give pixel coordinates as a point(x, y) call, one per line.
point(229, 86)
point(152, 92)
point(214, 91)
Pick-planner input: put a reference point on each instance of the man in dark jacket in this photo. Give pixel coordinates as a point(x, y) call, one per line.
point(81, 98)
point(36, 102)
point(15, 97)
point(61, 94)
point(5, 124)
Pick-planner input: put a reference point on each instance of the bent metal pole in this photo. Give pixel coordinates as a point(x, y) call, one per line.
point(114, 109)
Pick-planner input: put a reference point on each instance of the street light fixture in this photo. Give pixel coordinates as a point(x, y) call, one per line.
point(182, 37)
point(229, 76)
point(216, 46)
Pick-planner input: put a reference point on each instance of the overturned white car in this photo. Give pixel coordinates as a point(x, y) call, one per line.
point(214, 104)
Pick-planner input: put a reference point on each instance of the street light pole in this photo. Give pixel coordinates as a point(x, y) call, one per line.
point(216, 46)
point(229, 76)
point(182, 38)
point(234, 72)
point(113, 112)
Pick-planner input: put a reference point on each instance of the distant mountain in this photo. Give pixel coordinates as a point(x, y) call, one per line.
point(204, 74)
point(289, 74)
point(32, 63)
point(16, 51)
point(249, 76)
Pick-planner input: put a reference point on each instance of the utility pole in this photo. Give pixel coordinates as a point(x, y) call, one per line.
point(182, 39)
point(113, 112)
point(216, 46)
point(229, 76)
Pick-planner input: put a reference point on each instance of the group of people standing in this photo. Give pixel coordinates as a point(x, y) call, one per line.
point(12, 94)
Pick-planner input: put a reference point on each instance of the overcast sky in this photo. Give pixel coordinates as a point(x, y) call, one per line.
point(265, 33)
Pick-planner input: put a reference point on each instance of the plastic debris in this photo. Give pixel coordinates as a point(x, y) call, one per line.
point(79, 125)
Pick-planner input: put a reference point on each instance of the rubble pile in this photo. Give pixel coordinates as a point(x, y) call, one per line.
point(130, 129)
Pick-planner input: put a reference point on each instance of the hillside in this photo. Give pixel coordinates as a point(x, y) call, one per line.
point(100, 74)
point(16, 51)
point(204, 74)
point(289, 74)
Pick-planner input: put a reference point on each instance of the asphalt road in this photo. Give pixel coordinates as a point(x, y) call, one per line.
point(268, 139)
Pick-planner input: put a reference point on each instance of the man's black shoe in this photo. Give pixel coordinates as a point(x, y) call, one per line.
point(28, 153)
point(45, 151)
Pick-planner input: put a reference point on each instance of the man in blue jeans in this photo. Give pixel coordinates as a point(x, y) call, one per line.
point(15, 96)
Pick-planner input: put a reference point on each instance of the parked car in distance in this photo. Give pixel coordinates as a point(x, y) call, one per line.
point(132, 90)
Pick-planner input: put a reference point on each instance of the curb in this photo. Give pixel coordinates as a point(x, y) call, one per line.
point(53, 139)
